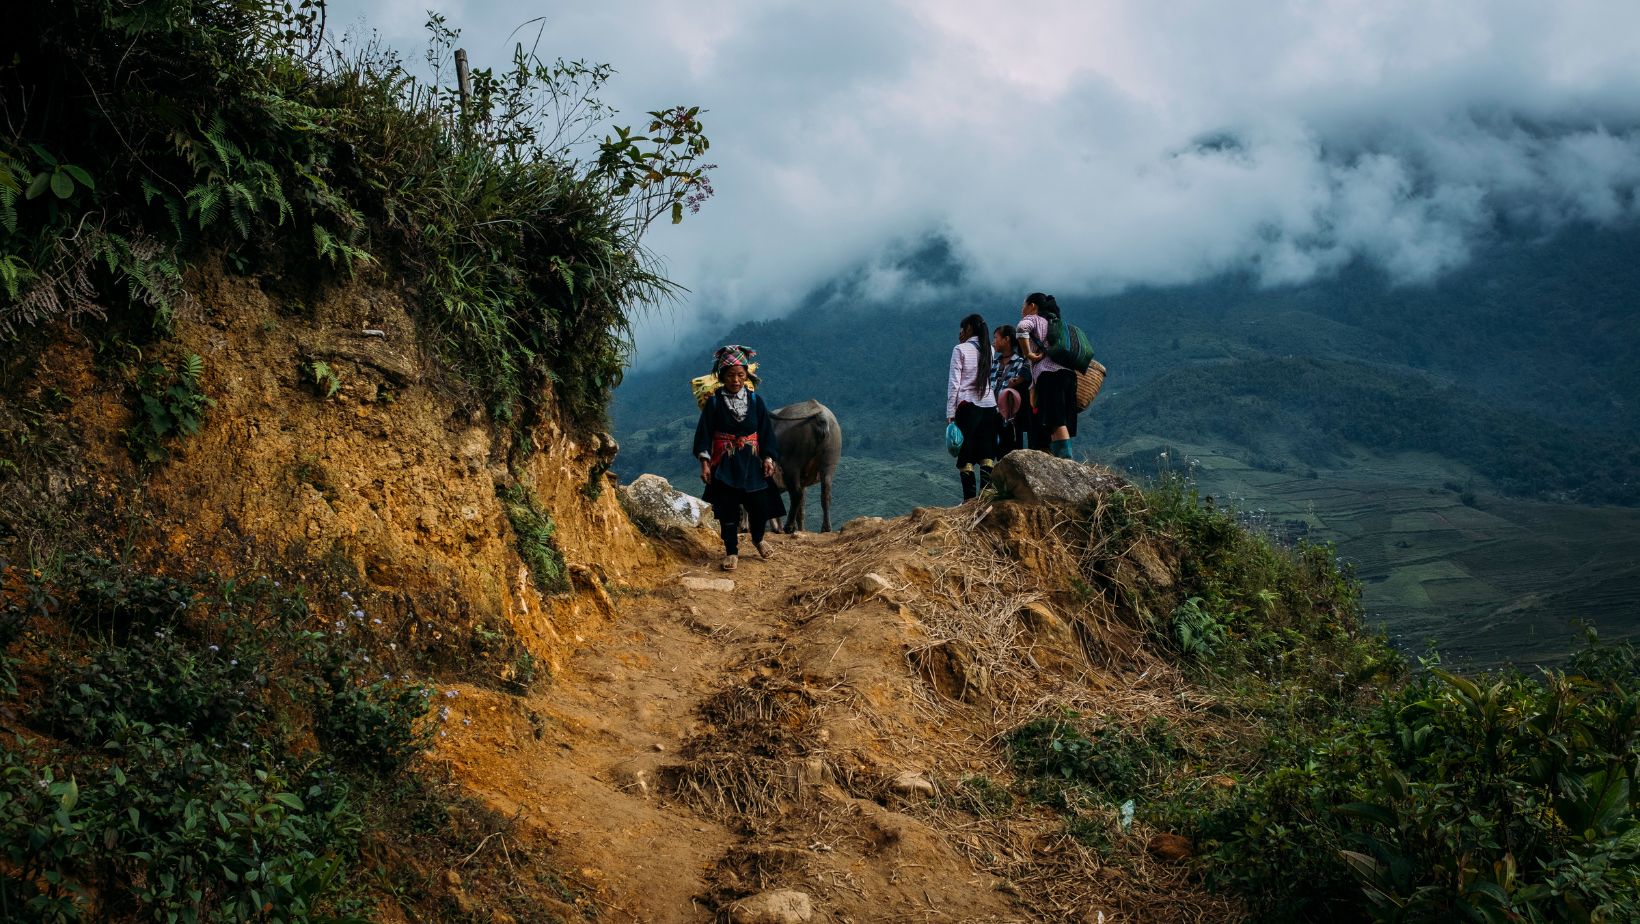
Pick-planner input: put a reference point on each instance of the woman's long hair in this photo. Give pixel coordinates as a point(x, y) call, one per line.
point(1045, 304)
point(974, 325)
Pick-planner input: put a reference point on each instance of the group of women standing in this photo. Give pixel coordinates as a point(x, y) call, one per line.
point(1003, 392)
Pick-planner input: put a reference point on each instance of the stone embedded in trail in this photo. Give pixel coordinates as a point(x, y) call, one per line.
point(911, 783)
point(874, 585)
point(1038, 478)
point(779, 907)
point(720, 585)
point(652, 501)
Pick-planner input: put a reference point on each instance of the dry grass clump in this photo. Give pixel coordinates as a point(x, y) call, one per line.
point(740, 767)
point(971, 579)
point(966, 574)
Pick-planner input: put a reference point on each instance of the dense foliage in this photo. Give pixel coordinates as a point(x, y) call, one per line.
point(1496, 798)
point(169, 772)
point(141, 137)
point(1327, 783)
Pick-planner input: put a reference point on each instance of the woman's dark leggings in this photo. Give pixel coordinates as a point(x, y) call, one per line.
point(727, 512)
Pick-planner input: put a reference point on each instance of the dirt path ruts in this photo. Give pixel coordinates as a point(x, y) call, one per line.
point(581, 761)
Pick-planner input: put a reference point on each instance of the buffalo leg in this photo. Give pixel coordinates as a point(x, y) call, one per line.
point(794, 523)
point(825, 504)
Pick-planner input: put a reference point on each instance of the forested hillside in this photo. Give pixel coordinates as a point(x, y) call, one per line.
point(1508, 380)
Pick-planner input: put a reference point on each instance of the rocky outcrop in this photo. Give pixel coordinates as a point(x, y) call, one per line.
point(654, 504)
point(1038, 478)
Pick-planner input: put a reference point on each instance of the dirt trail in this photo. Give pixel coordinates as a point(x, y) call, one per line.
point(793, 734)
point(586, 760)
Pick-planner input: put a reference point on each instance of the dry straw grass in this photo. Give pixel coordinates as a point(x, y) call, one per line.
point(740, 767)
point(974, 590)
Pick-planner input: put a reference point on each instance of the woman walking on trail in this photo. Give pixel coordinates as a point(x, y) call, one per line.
point(1010, 382)
point(970, 405)
point(735, 444)
point(1055, 384)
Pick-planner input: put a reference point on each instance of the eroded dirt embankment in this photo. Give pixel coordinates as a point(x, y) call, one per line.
point(383, 476)
point(820, 729)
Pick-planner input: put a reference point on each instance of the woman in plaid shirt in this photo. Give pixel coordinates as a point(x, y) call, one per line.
point(1010, 369)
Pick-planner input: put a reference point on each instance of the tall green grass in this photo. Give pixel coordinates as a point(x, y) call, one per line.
point(144, 136)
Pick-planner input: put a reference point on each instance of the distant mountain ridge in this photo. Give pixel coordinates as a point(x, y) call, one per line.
point(1461, 441)
point(1524, 354)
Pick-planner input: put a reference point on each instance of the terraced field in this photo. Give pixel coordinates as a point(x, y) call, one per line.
point(1490, 581)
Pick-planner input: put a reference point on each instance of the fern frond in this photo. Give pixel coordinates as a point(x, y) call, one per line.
point(227, 154)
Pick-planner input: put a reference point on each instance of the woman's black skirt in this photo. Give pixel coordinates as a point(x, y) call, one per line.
point(1056, 401)
point(979, 433)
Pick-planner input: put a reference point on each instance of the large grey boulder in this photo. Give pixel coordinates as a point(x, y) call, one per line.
point(1038, 478)
point(653, 503)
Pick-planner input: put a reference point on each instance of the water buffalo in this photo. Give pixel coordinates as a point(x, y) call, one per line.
point(810, 442)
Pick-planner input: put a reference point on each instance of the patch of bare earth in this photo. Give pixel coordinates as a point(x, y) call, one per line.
point(820, 729)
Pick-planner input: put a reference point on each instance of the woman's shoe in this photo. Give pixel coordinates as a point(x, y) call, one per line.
point(763, 550)
point(729, 562)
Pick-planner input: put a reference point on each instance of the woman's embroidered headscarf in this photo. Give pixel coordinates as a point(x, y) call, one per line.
point(735, 355)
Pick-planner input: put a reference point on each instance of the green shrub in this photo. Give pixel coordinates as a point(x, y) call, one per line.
point(374, 725)
point(171, 829)
point(1111, 760)
point(533, 529)
point(168, 131)
point(183, 783)
point(165, 678)
point(1196, 633)
point(114, 601)
point(1245, 606)
point(1499, 798)
point(169, 405)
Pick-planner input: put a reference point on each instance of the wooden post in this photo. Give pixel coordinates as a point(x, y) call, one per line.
point(464, 82)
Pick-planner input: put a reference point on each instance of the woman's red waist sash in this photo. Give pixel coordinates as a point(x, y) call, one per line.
point(725, 443)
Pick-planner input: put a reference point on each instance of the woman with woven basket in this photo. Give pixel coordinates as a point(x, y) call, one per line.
point(738, 454)
point(1054, 391)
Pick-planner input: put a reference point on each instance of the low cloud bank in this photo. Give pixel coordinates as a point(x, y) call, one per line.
point(1070, 146)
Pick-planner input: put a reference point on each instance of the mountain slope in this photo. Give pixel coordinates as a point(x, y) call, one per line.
point(1508, 379)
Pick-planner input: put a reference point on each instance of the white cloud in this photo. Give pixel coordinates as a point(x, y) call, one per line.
point(1058, 144)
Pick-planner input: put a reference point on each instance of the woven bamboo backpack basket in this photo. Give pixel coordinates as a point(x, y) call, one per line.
point(1088, 382)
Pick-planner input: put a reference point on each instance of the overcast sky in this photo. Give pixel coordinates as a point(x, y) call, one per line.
point(1082, 146)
